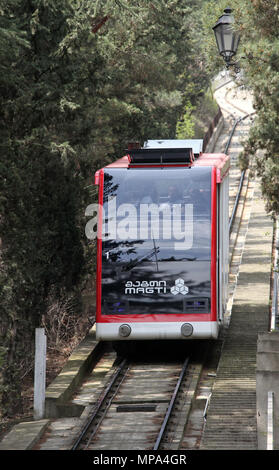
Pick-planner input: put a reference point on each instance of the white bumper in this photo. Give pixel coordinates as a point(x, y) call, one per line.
point(158, 330)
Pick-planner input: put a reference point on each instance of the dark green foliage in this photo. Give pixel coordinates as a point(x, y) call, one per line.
point(259, 26)
point(42, 182)
point(78, 80)
point(258, 57)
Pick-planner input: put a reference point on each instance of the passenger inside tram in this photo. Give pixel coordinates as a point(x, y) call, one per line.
point(175, 195)
point(149, 195)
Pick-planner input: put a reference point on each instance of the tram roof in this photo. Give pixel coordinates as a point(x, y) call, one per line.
point(194, 144)
point(218, 160)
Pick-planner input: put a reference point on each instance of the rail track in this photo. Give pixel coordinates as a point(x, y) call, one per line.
point(241, 195)
point(140, 413)
point(139, 419)
point(151, 404)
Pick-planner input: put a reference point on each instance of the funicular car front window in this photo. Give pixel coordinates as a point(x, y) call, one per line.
point(157, 214)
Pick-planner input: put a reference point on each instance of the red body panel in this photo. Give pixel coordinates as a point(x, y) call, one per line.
point(99, 247)
point(213, 245)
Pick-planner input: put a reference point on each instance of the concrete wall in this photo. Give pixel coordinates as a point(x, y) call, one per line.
point(267, 376)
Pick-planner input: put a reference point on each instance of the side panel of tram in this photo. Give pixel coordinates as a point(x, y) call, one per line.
point(162, 252)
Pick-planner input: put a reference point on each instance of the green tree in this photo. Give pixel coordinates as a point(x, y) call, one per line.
point(79, 79)
point(258, 57)
point(260, 49)
point(185, 128)
point(42, 185)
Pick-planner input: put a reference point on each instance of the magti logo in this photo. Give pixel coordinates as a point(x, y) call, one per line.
point(155, 287)
point(179, 287)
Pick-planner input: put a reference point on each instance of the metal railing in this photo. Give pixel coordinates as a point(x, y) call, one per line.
point(270, 421)
point(274, 308)
point(273, 326)
point(242, 173)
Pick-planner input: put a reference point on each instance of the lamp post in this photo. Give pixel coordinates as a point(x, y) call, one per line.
point(227, 38)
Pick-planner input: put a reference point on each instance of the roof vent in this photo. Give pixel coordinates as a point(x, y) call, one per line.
point(164, 156)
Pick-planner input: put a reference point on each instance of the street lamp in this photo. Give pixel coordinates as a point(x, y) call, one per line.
point(227, 38)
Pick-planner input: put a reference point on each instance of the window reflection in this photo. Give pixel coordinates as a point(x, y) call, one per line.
point(156, 231)
point(169, 209)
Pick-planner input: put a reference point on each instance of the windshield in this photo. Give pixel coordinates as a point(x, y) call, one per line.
point(156, 229)
point(161, 213)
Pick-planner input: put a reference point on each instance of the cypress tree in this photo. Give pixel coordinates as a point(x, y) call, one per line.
point(78, 80)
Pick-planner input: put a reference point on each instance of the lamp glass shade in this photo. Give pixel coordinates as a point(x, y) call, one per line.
point(227, 38)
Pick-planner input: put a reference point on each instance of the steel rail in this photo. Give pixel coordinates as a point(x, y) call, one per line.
point(242, 173)
point(171, 404)
point(99, 403)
